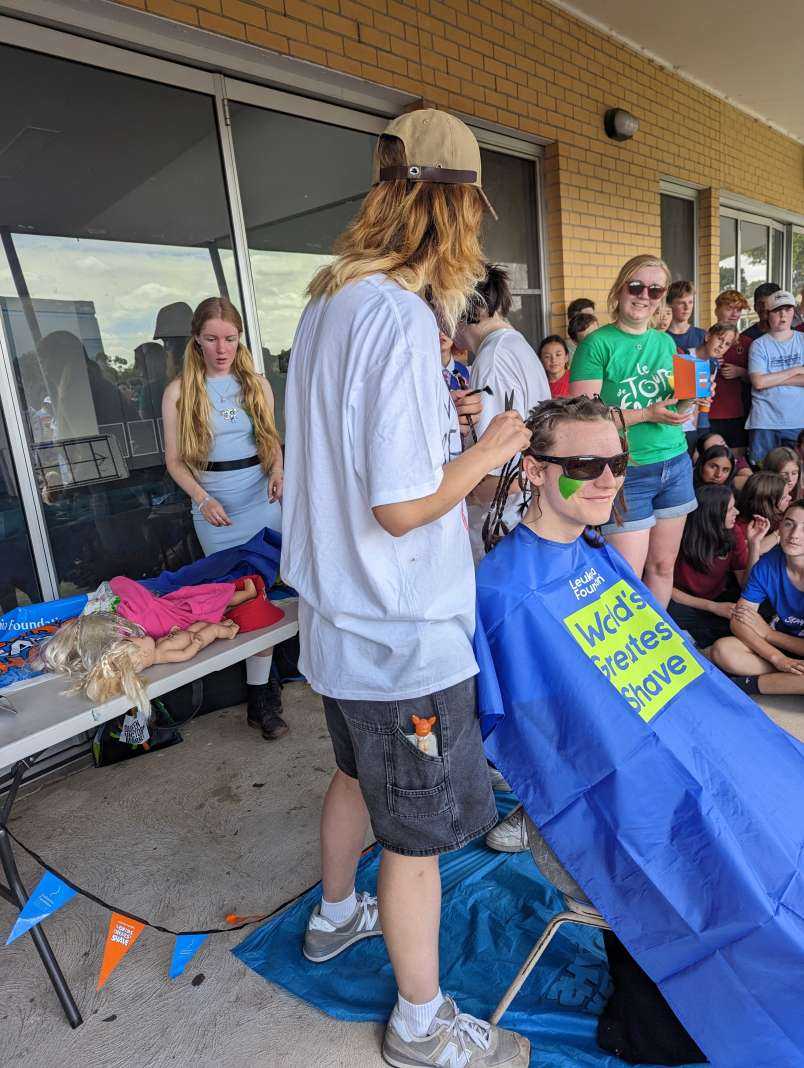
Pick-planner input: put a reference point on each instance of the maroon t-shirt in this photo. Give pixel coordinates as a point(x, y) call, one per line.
point(728, 401)
point(711, 583)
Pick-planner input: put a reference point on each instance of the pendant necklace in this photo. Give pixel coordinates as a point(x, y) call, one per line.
point(228, 413)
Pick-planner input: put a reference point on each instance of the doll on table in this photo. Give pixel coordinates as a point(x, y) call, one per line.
point(105, 650)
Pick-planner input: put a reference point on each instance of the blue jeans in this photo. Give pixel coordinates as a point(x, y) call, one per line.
point(760, 443)
point(655, 491)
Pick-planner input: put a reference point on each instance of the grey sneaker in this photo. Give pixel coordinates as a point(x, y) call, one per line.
point(511, 834)
point(455, 1038)
point(323, 940)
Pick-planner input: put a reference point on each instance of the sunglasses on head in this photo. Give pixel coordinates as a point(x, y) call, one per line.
point(586, 468)
point(637, 288)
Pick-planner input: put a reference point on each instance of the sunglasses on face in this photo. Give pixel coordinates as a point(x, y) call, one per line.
point(586, 468)
point(636, 289)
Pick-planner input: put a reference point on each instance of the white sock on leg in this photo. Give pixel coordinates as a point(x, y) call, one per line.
point(258, 669)
point(417, 1018)
point(338, 912)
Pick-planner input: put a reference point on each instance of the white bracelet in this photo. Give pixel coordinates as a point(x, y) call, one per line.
point(203, 502)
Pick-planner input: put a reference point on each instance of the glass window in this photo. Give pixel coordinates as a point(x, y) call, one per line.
point(797, 275)
point(18, 582)
point(678, 236)
point(510, 184)
point(728, 253)
point(294, 209)
point(777, 271)
point(753, 256)
point(114, 224)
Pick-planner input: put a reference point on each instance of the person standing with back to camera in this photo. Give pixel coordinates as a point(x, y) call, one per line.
point(380, 556)
point(222, 449)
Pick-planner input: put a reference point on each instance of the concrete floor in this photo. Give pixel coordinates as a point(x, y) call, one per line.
point(223, 822)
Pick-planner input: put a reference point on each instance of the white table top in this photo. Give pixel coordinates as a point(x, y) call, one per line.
point(46, 715)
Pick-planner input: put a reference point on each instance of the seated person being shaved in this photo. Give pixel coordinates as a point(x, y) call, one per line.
point(666, 793)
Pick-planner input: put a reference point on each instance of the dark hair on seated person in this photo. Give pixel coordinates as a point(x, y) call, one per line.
point(576, 307)
point(542, 422)
point(705, 537)
point(493, 294)
point(714, 452)
point(579, 322)
point(760, 496)
point(552, 339)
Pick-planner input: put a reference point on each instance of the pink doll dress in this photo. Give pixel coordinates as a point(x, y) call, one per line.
point(157, 616)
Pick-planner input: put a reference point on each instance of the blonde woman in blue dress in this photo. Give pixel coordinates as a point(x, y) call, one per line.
point(222, 449)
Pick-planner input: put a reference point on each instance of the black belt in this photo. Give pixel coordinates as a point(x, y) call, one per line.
point(233, 465)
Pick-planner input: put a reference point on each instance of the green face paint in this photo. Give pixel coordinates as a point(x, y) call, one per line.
point(568, 486)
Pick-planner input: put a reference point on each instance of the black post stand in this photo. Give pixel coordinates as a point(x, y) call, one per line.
point(17, 895)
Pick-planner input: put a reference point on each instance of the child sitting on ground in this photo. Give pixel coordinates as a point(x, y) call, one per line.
point(715, 556)
point(767, 658)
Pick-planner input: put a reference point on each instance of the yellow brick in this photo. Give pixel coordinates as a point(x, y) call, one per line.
point(219, 24)
point(250, 14)
point(172, 9)
point(265, 39)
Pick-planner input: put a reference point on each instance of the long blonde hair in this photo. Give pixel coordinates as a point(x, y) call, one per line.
point(423, 235)
point(97, 653)
point(193, 407)
point(629, 270)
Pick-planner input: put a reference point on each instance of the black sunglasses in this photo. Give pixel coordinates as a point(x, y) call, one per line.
point(586, 468)
point(637, 288)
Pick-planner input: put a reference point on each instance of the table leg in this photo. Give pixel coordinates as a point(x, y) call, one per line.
point(16, 893)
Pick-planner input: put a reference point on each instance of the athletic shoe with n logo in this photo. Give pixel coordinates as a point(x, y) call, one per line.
point(455, 1040)
point(324, 940)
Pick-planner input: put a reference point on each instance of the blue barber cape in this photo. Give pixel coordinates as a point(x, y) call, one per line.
point(259, 555)
point(668, 794)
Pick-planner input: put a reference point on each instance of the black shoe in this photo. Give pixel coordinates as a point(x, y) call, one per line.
point(264, 708)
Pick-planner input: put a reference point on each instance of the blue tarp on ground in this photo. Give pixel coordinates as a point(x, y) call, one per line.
point(495, 906)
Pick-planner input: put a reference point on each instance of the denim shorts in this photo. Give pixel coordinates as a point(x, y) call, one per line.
point(420, 805)
point(656, 491)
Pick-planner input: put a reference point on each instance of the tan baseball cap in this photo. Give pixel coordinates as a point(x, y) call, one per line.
point(438, 148)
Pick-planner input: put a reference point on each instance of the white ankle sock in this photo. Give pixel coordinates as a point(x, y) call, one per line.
point(258, 669)
point(417, 1018)
point(338, 912)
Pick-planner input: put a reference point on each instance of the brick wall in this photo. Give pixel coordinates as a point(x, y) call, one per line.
point(533, 68)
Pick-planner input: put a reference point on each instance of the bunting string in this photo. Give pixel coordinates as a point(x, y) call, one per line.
point(237, 924)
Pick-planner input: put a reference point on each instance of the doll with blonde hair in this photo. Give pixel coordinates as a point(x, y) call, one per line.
point(105, 652)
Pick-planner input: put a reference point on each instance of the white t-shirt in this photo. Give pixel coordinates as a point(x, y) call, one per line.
point(505, 361)
point(369, 421)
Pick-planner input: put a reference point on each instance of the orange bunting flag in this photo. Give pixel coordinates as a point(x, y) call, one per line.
point(123, 933)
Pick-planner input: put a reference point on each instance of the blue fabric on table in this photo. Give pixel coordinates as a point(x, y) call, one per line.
point(257, 556)
point(670, 796)
point(495, 905)
point(24, 629)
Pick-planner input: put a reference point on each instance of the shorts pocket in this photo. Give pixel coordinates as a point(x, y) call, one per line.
point(416, 781)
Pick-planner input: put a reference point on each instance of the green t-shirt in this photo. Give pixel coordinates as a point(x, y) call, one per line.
point(635, 370)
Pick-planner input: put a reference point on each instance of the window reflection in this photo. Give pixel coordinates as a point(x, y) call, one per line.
point(728, 253)
point(753, 256)
point(18, 583)
point(108, 242)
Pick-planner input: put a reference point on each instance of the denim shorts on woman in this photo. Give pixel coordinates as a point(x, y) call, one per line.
point(420, 805)
point(655, 491)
